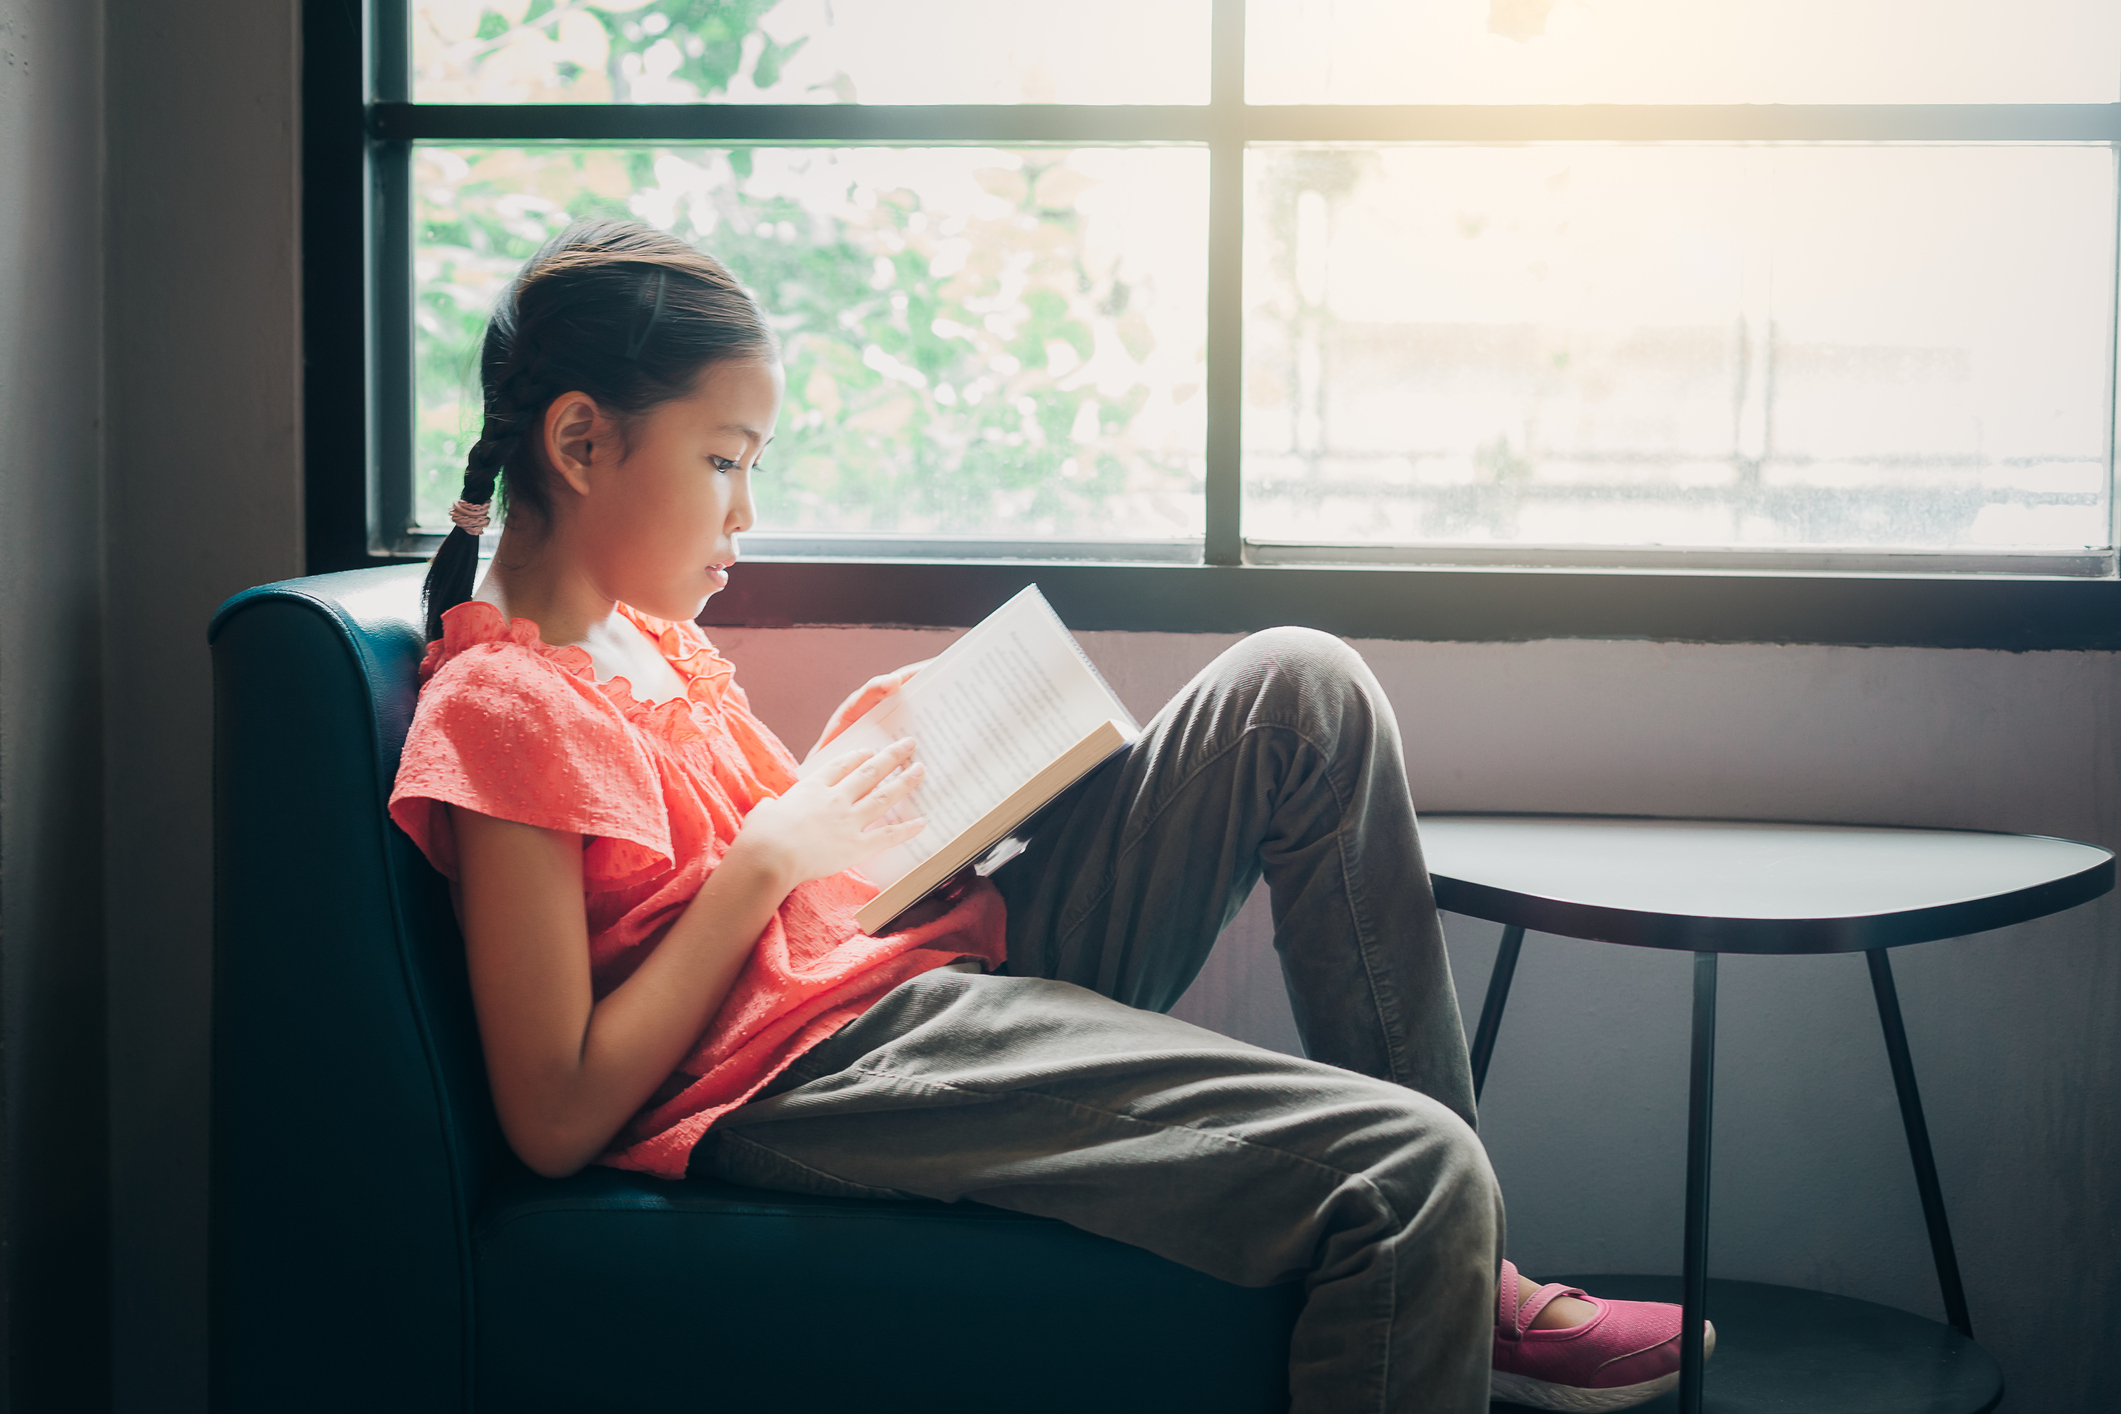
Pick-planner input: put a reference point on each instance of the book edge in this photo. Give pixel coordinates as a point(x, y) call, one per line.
point(956, 647)
point(1060, 773)
point(1097, 677)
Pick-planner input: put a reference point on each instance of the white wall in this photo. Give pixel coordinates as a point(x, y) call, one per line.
point(2013, 1033)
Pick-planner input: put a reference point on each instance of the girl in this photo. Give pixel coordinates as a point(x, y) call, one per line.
point(659, 916)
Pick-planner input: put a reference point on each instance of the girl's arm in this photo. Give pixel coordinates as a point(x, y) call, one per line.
point(567, 1070)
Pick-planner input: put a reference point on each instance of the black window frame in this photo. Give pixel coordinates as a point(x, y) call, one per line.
point(360, 123)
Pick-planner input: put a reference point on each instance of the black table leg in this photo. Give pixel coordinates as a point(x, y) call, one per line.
point(1701, 1088)
point(1918, 1142)
point(1491, 1009)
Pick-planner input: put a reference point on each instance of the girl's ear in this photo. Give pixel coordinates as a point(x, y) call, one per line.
point(571, 432)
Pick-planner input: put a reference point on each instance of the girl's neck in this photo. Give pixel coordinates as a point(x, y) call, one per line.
point(570, 613)
point(525, 584)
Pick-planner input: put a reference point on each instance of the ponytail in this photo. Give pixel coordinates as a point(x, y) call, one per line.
point(597, 309)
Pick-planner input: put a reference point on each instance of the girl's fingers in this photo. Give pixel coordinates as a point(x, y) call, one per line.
point(872, 693)
point(868, 695)
point(863, 778)
point(880, 687)
point(888, 793)
point(896, 789)
point(895, 833)
point(840, 767)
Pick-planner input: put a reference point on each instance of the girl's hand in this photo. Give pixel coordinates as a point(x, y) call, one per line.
point(866, 696)
point(829, 822)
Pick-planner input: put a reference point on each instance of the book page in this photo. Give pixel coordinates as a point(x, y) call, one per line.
point(986, 716)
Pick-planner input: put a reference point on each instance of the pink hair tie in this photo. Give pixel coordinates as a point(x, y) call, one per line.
point(468, 517)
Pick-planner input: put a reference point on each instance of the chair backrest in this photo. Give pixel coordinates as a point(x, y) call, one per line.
point(351, 1124)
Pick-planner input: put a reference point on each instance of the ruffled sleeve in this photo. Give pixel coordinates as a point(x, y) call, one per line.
point(502, 730)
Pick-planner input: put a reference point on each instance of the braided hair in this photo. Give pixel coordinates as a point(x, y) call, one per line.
point(625, 313)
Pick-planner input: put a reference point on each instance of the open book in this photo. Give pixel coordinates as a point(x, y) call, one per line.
point(1004, 719)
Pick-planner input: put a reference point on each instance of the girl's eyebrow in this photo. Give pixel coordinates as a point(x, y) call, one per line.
point(752, 432)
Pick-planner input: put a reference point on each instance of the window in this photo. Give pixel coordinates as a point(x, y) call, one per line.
point(983, 344)
point(993, 346)
point(1763, 287)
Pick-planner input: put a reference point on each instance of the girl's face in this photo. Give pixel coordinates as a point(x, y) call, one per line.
point(654, 516)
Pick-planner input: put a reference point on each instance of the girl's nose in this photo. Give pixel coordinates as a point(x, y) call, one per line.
point(741, 512)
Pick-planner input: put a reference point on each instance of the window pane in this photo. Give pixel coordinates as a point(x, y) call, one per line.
point(809, 51)
point(1683, 51)
point(1005, 343)
point(1689, 345)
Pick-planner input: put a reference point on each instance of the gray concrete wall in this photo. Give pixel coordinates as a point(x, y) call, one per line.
point(53, 1292)
point(2013, 1032)
point(204, 499)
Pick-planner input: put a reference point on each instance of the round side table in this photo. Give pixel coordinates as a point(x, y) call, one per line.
point(1715, 886)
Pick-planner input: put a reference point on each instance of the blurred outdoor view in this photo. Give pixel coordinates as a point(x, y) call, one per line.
point(1686, 344)
point(1006, 344)
point(1682, 51)
point(1682, 344)
point(809, 51)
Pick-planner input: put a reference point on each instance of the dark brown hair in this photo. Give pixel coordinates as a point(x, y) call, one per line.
point(620, 311)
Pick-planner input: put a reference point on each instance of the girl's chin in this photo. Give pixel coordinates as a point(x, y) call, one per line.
point(677, 597)
point(677, 608)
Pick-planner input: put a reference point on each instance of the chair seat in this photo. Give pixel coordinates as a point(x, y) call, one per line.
point(705, 1295)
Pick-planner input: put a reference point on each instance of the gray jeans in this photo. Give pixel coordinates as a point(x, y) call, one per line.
point(1061, 1089)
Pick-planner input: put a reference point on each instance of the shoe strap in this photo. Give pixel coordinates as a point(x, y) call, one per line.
point(1506, 1301)
point(1540, 1300)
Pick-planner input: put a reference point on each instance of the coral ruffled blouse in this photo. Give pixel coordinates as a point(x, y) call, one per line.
point(513, 728)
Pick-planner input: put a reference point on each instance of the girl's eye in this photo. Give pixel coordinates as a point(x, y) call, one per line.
point(722, 463)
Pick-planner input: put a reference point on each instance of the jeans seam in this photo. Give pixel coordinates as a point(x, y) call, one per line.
point(866, 1190)
point(1365, 935)
point(1155, 812)
point(1382, 1364)
point(1399, 1221)
point(1365, 940)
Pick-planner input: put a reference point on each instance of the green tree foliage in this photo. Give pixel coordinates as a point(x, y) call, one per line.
point(965, 355)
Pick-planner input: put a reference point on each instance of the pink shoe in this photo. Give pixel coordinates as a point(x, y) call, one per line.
point(1626, 1354)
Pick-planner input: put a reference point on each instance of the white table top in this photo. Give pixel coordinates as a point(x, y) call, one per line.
point(1745, 886)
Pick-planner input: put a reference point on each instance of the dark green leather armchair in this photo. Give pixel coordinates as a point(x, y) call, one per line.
point(375, 1246)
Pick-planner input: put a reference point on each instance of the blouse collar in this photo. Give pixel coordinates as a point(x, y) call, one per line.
point(475, 622)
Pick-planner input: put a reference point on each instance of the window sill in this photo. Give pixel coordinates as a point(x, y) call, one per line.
point(2018, 613)
point(1438, 603)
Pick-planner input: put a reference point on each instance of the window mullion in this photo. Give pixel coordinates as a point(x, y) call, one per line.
point(392, 409)
point(1226, 233)
point(2113, 368)
point(393, 398)
point(1004, 124)
point(390, 61)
